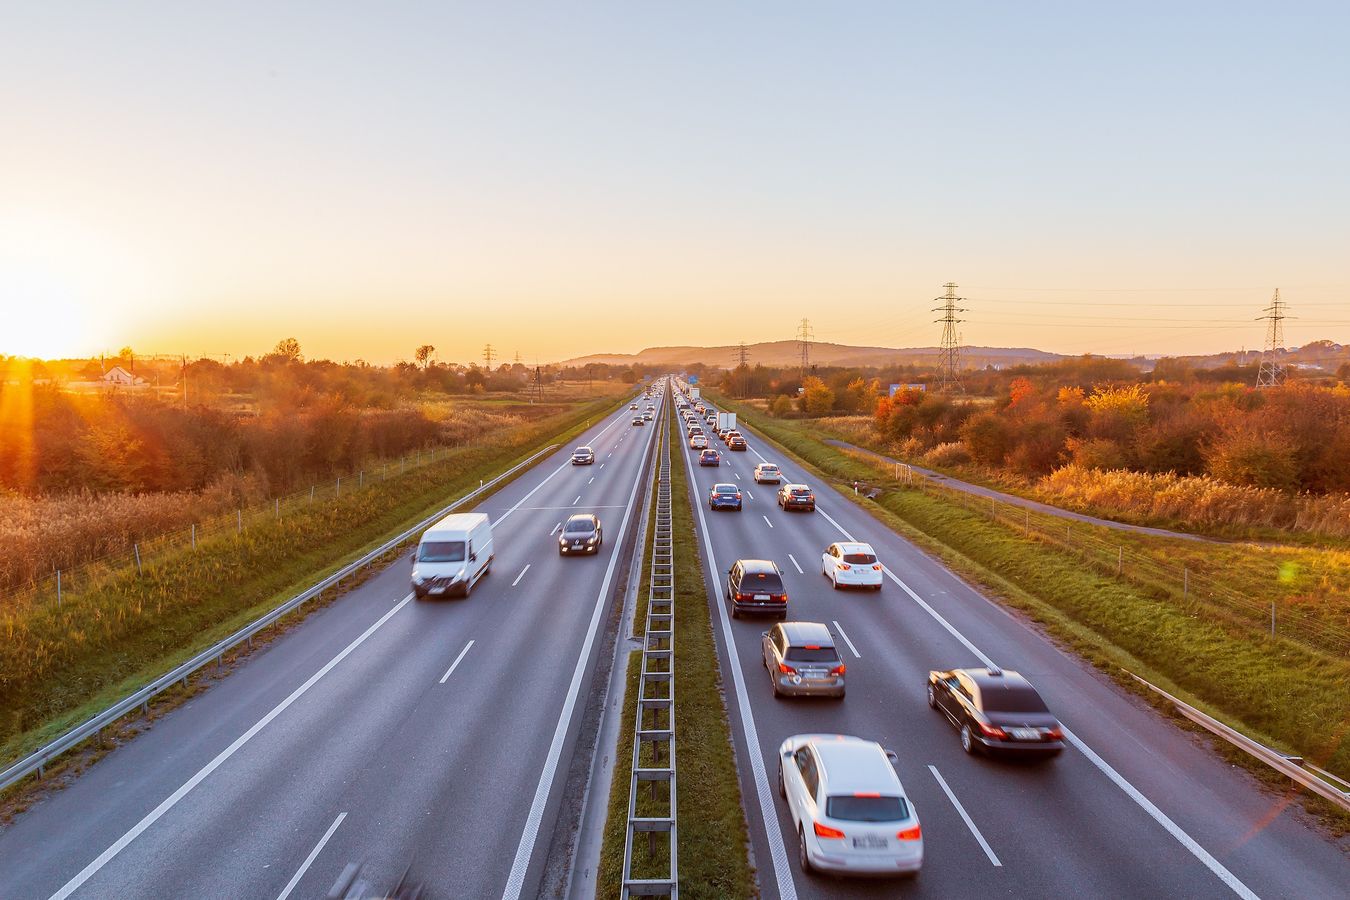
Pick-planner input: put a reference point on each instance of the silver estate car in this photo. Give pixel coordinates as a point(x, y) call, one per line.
point(803, 661)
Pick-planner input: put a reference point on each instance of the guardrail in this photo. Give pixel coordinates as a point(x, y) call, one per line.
point(39, 759)
point(654, 729)
point(1290, 766)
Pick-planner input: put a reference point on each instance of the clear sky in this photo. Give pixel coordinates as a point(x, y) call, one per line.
point(565, 178)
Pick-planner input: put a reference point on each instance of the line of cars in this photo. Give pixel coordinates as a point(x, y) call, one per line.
point(849, 810)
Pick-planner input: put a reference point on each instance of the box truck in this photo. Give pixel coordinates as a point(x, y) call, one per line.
point(726, 422)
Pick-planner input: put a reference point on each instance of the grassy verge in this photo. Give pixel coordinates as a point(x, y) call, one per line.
point(711, 821)
point(1293, 698)
point(60, 665)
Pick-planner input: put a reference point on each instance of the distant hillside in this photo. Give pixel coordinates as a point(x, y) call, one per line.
point(788, 353)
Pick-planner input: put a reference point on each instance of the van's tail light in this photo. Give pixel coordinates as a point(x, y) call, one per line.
point(993, 731)
point(826, 831)
point(910, 834)
point(839, 669)
point(785, 669)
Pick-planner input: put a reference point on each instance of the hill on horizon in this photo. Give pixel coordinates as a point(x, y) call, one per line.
point(823, 353)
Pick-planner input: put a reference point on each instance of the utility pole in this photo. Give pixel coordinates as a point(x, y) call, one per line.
point(804, 336)
point(488, 356)
point(949, 355)
point(538, 384)
point(1272, 373)
point(743, 363)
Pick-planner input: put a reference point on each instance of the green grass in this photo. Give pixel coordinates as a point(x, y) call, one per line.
point(58, 666)
point(713, 838)
point(1286, 695)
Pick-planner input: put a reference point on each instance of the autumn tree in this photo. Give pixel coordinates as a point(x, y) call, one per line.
point(423, 355)
point(817, 399)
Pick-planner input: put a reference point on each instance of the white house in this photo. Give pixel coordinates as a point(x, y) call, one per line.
point(119, 375)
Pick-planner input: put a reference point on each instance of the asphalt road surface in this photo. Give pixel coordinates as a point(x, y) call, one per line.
point(1134, 807)
point(382, 729)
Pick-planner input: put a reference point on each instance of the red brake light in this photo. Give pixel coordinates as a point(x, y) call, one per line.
point(811, 647)
point(866, 794)
point(839, 669)
point(993, 731)
point(877, 567)
point(1054, 734)
point(910, 834)
point(826, 831)
point(786, 669)
point(845, 566)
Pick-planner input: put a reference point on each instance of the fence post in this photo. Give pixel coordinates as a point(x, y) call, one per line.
point(1272, 618)
point(238, 521)
point(58, 587)
point(1185, 584)
point(339, 487)
point(992, 514)
point(1120, 560)
point(361, 478)
point(278, 509)
point(194, 535)
point(137, 549)
point(311, 493)
point(1026, 522)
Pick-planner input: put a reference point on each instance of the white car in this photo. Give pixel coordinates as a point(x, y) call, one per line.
point(767, 473)
point(698, 442)
point(848, 807)
point(851, 565)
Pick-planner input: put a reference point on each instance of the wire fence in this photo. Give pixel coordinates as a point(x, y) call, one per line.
point(62, 584)
point(1197, 593)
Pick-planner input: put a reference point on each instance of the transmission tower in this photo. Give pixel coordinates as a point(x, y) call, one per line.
point(743, 363)
point(949, 356)
point(1271, 373)
point(804, 336)
point(488, 355)
point(517, 357)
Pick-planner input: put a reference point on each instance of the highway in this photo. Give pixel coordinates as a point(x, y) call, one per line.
point(382, 730)
point(1133, 808)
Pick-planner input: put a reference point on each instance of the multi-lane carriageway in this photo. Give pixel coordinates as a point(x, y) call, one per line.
point(441, 734)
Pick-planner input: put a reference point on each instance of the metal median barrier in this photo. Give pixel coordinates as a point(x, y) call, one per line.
point(654, 729)
point(40, 759)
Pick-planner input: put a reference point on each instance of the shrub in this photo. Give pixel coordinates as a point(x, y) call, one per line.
point(952, 453)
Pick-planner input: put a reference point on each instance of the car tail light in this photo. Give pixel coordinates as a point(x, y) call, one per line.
point(839, 669)
point(740, 596)
point(910, 834)
point(778, 598)
point(877, 567)
point(738, 495)
point(993, 731)
point(826, 831)
point(845, 566)
point(1054, 734)
point(786, 669)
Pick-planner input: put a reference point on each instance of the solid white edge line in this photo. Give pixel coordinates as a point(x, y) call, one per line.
point(782, 872)
point(843, 634)
point(1200, 853)
point(309, 860)
point(169, 802)
point(942, 782)
point(515, 882)
point(450, 671)
point(767, 522)
point(800, 571)
point(522, 573)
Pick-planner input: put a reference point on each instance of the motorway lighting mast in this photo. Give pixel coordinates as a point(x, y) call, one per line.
point(949, 355)
point(1272, 373)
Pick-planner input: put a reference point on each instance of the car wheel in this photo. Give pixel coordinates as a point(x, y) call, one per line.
point(468, 588)
point(773, 684)
point(803, 858)
point(735, 613)
point(932, 696)
point(967, 740)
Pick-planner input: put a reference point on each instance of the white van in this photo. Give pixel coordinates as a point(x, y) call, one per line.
point(452, 555)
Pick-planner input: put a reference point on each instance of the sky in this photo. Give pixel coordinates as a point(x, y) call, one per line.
point(559, 179)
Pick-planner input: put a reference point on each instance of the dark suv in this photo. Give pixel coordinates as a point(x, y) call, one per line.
point(756, 586)
point(796, 496)
point(996, 711)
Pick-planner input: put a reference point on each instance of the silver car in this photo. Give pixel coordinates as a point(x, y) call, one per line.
point(803, 661)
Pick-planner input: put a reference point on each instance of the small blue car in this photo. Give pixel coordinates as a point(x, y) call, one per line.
point(724, 496)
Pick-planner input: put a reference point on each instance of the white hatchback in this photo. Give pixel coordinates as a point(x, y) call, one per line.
point(849, 564)
point(847, 805)
point(698, 441)
point(767, 473)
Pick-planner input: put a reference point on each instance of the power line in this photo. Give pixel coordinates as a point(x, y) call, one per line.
point(949, 356)
point(1271, 373)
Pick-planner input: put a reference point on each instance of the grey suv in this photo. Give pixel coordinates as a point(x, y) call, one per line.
point(803, 661)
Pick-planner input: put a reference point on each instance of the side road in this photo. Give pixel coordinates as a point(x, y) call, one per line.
point(1015, 500)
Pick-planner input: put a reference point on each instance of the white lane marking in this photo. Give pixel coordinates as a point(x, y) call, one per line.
point(450, 671)
point(843, 634)
point(750, 495)
point(576, 501)
point(592, 479)
point(555, 529)
point(602, 465)
point(309, 860)
point(787, 888)
point(1161, 818)
point(767, 522)
point(536, 488)
point(521, 575)
point(169, 802)
point(738, 475)
point(1199, 852)
point(797, 564)
point(942, 782)
point(515, 882)
point(608, 455)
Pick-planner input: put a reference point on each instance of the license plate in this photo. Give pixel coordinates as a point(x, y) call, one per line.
point(761, 596)
point(576, 546)
point(1024, 734)
point(871, 842)
point(438, 590)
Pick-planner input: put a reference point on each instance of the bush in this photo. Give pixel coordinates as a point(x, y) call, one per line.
point(988, 437)
point(952, 453)
point(782, 406)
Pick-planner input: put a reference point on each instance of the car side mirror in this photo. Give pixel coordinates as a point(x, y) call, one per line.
point(763, 634)
point(412, 557)
point(892, 756)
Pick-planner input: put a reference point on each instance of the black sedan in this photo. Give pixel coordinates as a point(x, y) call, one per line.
point(995, 711)
point(580, 534)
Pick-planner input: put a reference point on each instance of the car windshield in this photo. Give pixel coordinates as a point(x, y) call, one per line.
point(1016, 699)
point(800, 492)
point(866, 809)
point(768, 468)
point(582, 451)
point(760, 582)
point(724, 488)
point(441, 551)
point(862, 559)
point(579, 526)
point(813, 654)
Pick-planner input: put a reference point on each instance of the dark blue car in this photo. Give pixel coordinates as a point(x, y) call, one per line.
point(724, 496)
